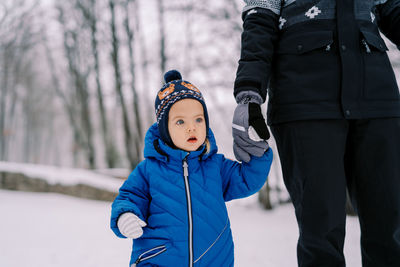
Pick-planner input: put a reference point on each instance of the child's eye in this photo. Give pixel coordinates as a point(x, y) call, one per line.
point(179, 122)
point(199, 120)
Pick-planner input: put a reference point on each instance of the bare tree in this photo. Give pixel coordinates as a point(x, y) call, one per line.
point(138, 137)
point(143, 59)
point(3, 96)
point(188, 50)
point(67, 105)
point(17, 38)
point(129, 144)
point(79, 75)
point(161, 25)
point(89, 13)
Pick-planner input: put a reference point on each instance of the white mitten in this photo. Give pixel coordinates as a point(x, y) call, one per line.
point(130, 225)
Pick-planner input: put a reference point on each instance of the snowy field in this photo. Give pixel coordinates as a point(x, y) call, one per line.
point(51, 230)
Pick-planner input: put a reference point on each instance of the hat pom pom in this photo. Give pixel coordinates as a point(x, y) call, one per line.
point(172, 75)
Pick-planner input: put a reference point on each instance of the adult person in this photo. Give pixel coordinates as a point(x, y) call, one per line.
point(334, 110)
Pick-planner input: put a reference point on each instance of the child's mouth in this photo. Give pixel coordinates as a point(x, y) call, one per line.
point(192, 140)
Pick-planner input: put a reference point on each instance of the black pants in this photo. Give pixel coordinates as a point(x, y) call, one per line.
point(319, 158)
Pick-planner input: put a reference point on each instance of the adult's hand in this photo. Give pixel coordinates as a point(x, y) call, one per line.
point(249, 130)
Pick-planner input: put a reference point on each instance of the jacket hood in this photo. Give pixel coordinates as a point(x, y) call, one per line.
point(154, 147)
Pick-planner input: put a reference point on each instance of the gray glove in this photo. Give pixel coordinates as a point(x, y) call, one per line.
point(249, 129)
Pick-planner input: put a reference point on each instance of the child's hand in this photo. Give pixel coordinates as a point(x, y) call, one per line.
point(130, 225)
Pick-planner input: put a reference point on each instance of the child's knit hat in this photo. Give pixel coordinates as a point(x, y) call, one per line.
point(173, 90)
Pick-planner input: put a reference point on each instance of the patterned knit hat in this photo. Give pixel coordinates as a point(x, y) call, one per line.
point(174, 89)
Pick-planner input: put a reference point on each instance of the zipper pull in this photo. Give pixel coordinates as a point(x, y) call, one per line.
point(366, 46)
point(137, 261)
point(185, 168)
point(328, 47)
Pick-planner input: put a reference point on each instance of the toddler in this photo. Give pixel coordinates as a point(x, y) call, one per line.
point(173, 204)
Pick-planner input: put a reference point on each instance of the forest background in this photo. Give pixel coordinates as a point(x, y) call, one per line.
point(78, 78)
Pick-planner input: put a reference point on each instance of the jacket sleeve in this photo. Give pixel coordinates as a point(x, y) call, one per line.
point(133, 197)
point(260, 33)
point(244, 179)
point(389, 20)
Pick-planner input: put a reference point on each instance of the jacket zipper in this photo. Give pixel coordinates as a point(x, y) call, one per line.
point(142, 258)
point(189, 209)
point(215, 241)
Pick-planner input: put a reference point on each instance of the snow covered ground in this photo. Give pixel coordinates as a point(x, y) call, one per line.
point(63, 176)
point(47, 230)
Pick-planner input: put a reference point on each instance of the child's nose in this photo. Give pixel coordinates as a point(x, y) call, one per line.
point(191, 127)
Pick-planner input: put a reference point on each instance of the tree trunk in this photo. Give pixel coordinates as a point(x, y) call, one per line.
point(163, 57)
point(264, 196)
point(13, 103)
point(143, 62)
point(3, 95)
point(188, 38)
point(130, 148)
point(139, 129)
point(81, 85)
point(110, 149)
point(69, 111)
point(80, 82)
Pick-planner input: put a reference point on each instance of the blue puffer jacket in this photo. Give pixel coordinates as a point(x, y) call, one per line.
point(186, 216)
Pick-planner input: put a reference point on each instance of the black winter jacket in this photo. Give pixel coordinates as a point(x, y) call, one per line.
point(320, 59)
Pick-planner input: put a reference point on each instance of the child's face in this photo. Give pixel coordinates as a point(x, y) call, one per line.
point(186, 124)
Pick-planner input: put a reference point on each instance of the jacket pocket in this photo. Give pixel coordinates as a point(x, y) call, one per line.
point(306, 42)
point(379, 78)
point(306, 69)
point(149, 254)
point(215, 241)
